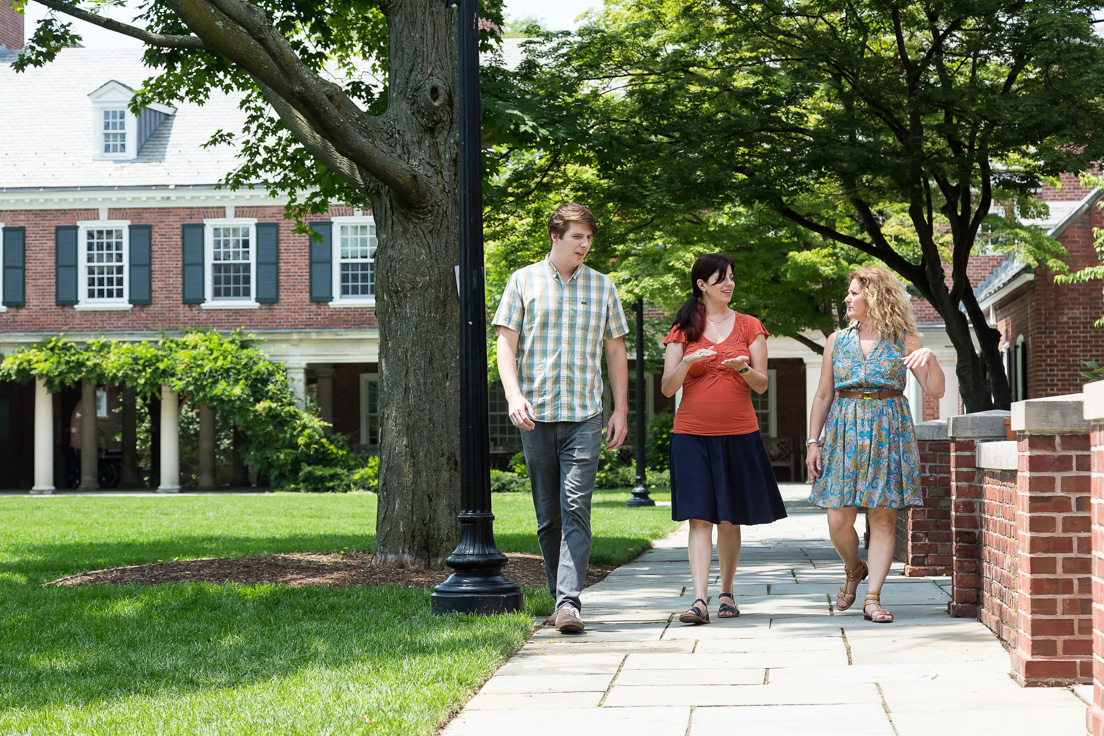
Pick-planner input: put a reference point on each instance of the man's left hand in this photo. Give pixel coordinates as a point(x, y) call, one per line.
point(617, 429)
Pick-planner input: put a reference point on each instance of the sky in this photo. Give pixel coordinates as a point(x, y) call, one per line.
point(561, 14)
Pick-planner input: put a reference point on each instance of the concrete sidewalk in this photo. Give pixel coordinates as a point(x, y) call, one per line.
point(789, 665)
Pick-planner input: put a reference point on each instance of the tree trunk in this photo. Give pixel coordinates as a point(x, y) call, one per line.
point(417, 304)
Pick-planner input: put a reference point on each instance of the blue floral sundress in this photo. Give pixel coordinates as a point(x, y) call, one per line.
point(870, 455)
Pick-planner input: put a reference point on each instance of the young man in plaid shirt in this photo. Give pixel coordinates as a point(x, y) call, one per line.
point(556, 319)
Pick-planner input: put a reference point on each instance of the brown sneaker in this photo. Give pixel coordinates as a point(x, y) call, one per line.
point(568, 621)
point(551, 620)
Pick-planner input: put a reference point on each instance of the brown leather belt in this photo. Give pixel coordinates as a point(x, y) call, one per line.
point(869, 394)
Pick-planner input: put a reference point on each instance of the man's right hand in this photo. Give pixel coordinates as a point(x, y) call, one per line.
point(521, 413)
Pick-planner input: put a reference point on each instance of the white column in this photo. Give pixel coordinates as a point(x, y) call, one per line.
point(43, 439)
point(206, 447)
point(325, 394)
point(297, 382)
point(90, 447)
point(915, 397)
point(948, 405)
point(170, 441)
point(812, 380)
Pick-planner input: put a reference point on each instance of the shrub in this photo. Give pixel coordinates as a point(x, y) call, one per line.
point(517, 464)
point(321, 479)
point(366, 478)
point(658, 478)
point(503, 481)
point(659, 440)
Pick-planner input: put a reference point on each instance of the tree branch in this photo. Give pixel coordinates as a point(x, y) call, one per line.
point(246, 36)
point(146, 37)
point(318, 146)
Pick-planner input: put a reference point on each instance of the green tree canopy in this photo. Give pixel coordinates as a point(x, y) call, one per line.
point(891, 127)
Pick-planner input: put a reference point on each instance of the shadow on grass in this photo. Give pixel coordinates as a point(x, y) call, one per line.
point(73, 646)
point(40, 562)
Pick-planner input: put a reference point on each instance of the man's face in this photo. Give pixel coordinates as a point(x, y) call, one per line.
point(572, 247)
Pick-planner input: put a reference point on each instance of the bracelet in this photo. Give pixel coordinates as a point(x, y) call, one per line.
point(745, 370)
point(812, 442)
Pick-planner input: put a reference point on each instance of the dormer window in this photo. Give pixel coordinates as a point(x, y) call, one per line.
point(117, 133)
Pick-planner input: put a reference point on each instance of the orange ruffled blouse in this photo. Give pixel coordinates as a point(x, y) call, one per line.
point(716, 399)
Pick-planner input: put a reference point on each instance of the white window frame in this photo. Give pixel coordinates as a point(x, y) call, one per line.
point(350, 301)
point(84, 301)
point(209, 302)
point(365, 379)
point(772, 403)
point(101, 403)
point(2, 307)
point(1020, 388)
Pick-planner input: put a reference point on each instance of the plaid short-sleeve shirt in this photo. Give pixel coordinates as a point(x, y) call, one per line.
point(562, 327)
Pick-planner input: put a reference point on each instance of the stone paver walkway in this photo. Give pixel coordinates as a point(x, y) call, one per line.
point(789, 665)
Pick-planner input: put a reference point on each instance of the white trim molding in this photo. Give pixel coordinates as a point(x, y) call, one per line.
point(85, 302)
point(209, 300)
point(340, 223)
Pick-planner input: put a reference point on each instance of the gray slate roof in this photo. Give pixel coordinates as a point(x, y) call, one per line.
point(48, 123)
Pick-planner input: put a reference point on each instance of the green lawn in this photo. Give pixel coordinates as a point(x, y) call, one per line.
point(244, 659)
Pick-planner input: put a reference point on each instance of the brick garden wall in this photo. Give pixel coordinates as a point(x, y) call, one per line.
point(924, 533)
point(998, 552)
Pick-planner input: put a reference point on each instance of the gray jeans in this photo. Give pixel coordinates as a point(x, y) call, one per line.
point(562, 459)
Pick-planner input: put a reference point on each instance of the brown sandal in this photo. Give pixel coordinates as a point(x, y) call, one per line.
point(879, 615)
point(845, 598)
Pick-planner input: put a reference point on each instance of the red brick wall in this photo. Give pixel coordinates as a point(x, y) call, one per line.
point(1095, 711)
point(11, 27)
point(924, 532)
point(294, 311)
point(1069, 189)
point(1054, 600)
point(1062, 316)
point(966, 500)
point(998, 553)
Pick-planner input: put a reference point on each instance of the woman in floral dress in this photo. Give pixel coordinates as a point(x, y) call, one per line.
point(869, 458)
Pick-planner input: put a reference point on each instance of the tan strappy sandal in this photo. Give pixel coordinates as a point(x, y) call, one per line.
point(879, 615)
point(845, 599)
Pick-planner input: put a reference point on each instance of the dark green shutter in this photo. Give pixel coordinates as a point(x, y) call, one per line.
point(321, 263)
point(268, 262)
point(65, 240)
point(141, 242)
point(14, 266)
point(192, 278)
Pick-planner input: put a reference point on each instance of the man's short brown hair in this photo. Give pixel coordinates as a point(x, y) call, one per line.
point(568, 213)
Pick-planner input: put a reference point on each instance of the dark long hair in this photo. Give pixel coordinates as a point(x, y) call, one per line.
point(691, 316)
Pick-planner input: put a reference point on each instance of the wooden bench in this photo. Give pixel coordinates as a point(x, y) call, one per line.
point(782, 455)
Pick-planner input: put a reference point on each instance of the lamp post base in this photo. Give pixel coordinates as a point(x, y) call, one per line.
point(640, 496)
point(477, 595)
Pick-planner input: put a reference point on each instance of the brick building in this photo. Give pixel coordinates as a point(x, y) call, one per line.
point(111, 226)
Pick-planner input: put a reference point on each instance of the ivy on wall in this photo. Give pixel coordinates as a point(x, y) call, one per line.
point(220, 371)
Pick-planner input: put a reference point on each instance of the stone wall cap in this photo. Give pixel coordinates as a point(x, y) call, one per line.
point(1000, 455)
point(1051, 415)
point(936, 429)
point(987, 424)
point(1094, 401)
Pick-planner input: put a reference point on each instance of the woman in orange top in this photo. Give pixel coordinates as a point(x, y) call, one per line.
point(720, 471)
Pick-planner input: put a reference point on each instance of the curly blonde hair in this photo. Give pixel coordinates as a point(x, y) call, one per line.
point(889, 311)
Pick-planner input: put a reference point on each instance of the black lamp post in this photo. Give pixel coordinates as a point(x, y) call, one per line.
point(640, 495)
point(477, 584)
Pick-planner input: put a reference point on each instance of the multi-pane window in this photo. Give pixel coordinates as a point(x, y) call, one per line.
point(764, 405)
point(231, 262)
point(104, 259)
point(355, 261)
point(114, 131)
point(505, 437)
point(369, 410)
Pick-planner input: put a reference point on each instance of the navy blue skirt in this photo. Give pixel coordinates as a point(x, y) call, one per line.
point(723, 478)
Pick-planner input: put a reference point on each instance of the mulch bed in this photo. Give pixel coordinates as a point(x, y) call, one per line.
point(333, 569)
